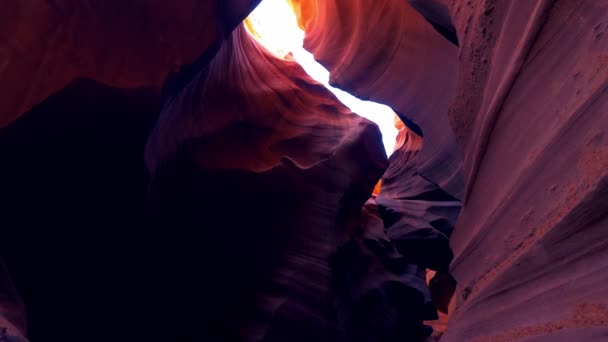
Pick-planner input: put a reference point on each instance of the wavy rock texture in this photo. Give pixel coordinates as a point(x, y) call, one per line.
point(417, 214)
point(252, 223)
point(380, 294)
point(261, 220)
point(387, 52)
point(531, 115)
point(419, 218)
point(45, 44)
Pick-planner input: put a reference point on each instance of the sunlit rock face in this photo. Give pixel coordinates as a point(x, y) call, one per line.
point(531, 114)
point(47, 44)
point(387, 52)
point(262, 173)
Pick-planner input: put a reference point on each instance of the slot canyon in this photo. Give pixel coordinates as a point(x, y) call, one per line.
point(167, 176)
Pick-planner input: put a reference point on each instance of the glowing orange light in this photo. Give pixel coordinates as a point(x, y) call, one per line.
point(279, 26)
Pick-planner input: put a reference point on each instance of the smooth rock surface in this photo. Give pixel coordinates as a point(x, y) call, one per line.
point(46, 44)
point(387, 52)
point(263, 167)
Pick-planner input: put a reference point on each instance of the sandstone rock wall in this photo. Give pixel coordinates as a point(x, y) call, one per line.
point(530, 115)
point(46, 44)
point(387, 52)
point(235, 208)
point(265, 168)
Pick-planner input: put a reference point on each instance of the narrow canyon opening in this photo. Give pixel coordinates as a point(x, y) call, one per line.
point(274, 24)
point(187, 171)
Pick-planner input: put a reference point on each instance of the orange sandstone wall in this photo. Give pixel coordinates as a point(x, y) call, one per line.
point(44, 45)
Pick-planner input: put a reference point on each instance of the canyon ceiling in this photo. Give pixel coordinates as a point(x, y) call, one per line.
point(164, 177)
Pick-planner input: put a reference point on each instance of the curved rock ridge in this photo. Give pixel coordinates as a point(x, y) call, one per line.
point(437, 12)
point(262, 173)
point(380, 294)
point(243, 213)
point(45, 45)
point(253, 101)
point(530, 114)
point(418, 215)
point(387, 52)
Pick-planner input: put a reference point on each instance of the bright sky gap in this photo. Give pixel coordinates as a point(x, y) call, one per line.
point(277, 26)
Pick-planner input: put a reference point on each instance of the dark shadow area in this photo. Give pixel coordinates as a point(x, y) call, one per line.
point(98, 253)
point(438, 15)
point(73, 199)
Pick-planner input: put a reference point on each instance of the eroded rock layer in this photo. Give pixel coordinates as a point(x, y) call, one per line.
point(387, 52)
point(45, 44)
point(530, 113)
point(417, 214)
point(240, 212)
point(265, 173)
point(419, 217)
point(380, 294)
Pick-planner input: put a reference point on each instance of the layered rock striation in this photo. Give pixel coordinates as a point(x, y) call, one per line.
point(530, 244)
point(45, 44)
point(196, 187)
point(266, 171)
point(387, 52)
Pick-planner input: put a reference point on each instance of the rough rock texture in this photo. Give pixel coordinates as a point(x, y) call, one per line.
point(530, 113)
point(266, 172)
point(387, 52)
point(46, 44)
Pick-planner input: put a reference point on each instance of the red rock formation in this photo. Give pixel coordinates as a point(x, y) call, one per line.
point(417, 214)
point(259, 175)
point(437, 12)
point(47, 44)
point(530, 113)
point(418, 217)
point(381, 295)
point(267, 171)
point(387, 52)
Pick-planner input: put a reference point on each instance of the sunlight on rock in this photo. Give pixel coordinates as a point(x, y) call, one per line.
point(274, 24)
